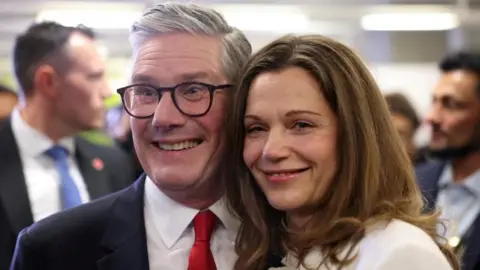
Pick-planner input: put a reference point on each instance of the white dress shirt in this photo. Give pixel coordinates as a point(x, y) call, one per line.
point(394, 246)
point(170, 235)
point(41, 174)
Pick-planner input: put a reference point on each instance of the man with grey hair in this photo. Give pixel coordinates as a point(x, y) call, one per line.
point(185, 59)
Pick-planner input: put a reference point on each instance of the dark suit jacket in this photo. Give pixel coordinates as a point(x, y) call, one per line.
point(107, 234)
point(274, 261)
point(428, 175)
point(15, 210)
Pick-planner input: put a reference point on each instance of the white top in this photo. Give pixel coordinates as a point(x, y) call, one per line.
point(41, 175)
point(396, 246)
point(170, 235)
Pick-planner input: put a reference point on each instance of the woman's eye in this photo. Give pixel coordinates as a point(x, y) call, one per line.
point(301, 125)
point(253, 129)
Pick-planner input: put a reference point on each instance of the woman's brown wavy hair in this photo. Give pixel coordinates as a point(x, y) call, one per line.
point(374, 181)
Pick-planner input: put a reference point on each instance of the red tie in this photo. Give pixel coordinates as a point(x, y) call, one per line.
point(201, 257)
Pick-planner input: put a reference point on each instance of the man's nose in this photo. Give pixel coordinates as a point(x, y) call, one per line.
point(105, 89)
point(166, 113)
point(434, 115)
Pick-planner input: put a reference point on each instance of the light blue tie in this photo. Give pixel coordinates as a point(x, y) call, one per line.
point(68, 190)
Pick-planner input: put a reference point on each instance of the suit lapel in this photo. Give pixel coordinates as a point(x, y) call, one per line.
point(124, 240)
point(428, 176)
point(92, 169)
point(472, 252)
point(13, 189)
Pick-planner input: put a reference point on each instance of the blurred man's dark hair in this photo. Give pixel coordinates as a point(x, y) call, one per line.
point(40, 43)
point(468, 61)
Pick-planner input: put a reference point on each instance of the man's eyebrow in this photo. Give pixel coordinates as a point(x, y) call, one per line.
point(450, 96)
point(97, 74)
point(184, 77)
point(192, 76)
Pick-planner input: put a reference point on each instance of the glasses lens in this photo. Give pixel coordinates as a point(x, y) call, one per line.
point(141, 100)
point(192, 99)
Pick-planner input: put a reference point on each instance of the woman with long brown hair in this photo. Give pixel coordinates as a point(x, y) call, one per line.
point(324, 181)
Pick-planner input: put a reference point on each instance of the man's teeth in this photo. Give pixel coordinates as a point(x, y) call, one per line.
point(179, 146)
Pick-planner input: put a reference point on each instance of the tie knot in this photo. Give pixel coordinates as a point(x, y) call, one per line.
point(203, 224)
point(57, 153)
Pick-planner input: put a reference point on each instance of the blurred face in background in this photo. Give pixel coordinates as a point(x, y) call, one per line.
point(291, 139)
point(406, 129)
point(455, 115)
point(82, 88)
point(7, 103)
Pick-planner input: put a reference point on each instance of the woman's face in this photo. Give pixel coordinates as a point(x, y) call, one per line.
point(291, 138)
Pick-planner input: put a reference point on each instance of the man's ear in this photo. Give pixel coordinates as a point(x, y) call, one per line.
point(45, 80)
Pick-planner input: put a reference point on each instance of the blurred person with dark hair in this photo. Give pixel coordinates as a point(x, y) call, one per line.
point(118, 128)
point(452, 182)
point(44, 166)
point(406, 121)
point(8, 100)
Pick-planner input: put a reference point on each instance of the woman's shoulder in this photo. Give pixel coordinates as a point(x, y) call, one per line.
point(390, 245)
point(397, 233)
point(398, 243)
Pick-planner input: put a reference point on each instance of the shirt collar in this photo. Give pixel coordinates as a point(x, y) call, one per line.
point(172, 218)
point(30, 141)
point(472, 182)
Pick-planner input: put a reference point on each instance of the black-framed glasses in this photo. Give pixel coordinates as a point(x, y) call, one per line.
point(190, 98)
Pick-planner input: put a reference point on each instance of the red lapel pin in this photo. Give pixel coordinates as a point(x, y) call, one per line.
point(97, 164)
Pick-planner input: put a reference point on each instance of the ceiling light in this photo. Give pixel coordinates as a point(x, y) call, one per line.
point(413, 21)
point(264, 18)
point(99, 19)
point(264, 22)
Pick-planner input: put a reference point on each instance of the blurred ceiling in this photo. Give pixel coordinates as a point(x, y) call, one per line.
point(336, 18)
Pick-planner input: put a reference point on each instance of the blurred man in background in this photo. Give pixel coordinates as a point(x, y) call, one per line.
point(44, 166)
point(452, 183)
point(122, 135)
point(406, 122)
point(8, 100)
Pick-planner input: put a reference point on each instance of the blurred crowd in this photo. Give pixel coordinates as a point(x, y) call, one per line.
point(51, 157)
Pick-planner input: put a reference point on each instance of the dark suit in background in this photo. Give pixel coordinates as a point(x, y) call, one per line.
point(428, 175)
point(15, 209)
point(8, 100)
point(108, 234)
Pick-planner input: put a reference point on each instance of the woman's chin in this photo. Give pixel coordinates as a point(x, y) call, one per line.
point(283, 204)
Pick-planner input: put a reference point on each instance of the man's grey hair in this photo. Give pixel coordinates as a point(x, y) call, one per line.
point(167, 18)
